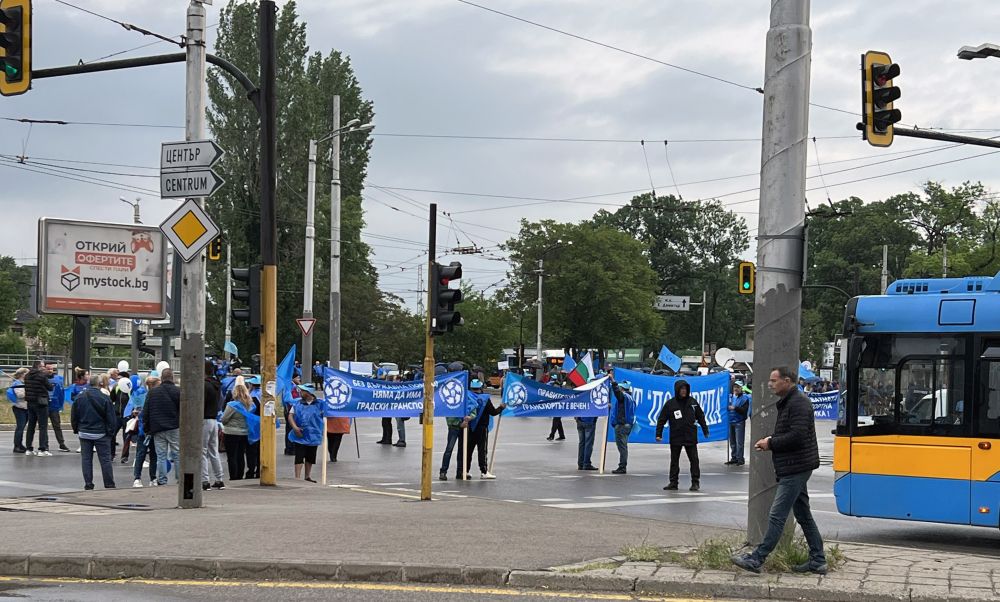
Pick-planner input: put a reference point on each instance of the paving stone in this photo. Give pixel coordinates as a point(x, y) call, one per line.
point(928, 581)
point(713, 576)
point(121, 567)
point(674, 572)
point(901, 578)
point(634, 570)
point(483, 575)
point(798, 580)
point(581, 581)
point(876, 587)
point(59, 565)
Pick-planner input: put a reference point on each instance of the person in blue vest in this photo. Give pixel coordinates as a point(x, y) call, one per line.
point(306, 420)
point(586, 428)
point(622, 419)
point(455, 426)
point(739, 411)
point(479, 429)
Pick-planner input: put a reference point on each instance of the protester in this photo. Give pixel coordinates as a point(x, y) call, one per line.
point(622, 419)
point(455, 426)
point(94, 419)
point(161, 419)
point(37, 386)
point(19, 405)
point(479, 429)
point(57, 401)
point(144, 441)
point(795, 455)
point(238, 421)
point(739, 410)
point(684, 414)
point(120, 399)
point(586, 428)
point(211, 465)
point(296, 381)
point(336, 428)
point(253, 442)
point(557, 427)
point(317, 375)
point(306, 420)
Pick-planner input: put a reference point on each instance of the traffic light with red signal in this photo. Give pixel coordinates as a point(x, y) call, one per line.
point(444, 318)
point(878, 95)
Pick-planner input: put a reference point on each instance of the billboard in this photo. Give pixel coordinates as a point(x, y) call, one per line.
point(98, 269)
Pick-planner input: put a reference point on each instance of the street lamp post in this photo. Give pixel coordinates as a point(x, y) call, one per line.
point(541, 274)
point(135, 327)
point(979, 52)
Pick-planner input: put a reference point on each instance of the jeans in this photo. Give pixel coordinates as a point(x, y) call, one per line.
point(791, 495)
point(54, 418)
point(210, 450)
point(737, 433)
point(622, 431)
point(143, 447)
point(38, 414)
point(401, 427)
point(454, 436)
point(103, 447)
point(21, 420)
point(167, 445)
point(586, 448)
point(675, 456)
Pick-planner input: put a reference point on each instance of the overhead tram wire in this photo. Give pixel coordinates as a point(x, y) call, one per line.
point(652, 187)
point(15, 164)
point(666, 154)
point(821, 178)
point(127, 26)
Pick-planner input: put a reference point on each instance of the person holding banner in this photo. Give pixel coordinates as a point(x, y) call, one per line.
point(739, 410)
point(622, 419)
point(306, 420)
point(455, 426)
point(684, 413)
point(479, 429)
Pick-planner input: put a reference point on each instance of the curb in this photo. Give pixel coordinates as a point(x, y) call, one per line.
point(104, 566)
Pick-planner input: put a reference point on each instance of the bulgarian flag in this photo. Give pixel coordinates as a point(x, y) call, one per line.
point(584, 371)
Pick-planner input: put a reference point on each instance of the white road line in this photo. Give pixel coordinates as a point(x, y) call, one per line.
point(640, 474)
point(526, 478)
point(390, 484)
point(552, 499)
point(566, 476)
point(649, 502)
point(602, 497)
point(655, 494)
point(514, 501)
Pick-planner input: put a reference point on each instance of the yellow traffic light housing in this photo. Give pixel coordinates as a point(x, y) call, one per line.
point(15, 47)
point(878, 94)
point(215, 249)
point(748, 277)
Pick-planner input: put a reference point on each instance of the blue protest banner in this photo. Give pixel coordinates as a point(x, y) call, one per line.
point(350, 395)
point(825, 405)
point(652, 392)
point(526, 398)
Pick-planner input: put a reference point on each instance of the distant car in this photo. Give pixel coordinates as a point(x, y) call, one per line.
point(387, 369)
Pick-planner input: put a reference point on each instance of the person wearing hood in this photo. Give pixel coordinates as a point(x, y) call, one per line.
point(684, 414)
point(479, 428)
point(622, 419)
point(739, 411)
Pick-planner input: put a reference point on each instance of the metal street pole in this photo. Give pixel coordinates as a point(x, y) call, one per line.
point(307, 292)
point(703, 314)
point(778, 310)
point(335, 238)
point(135, 327)
point(193, 285)
point(427, 420)
point(229, 294)
point(268, 240)
point(538, 339)
point(885, 269)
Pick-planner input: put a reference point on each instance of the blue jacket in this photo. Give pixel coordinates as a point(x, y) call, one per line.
point(628, 400)
point(740, 408)
point(57, 396)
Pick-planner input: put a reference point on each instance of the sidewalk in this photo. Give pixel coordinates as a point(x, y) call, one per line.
point(298, 532)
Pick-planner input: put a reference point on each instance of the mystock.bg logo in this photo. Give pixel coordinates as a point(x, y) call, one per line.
point(69, 278)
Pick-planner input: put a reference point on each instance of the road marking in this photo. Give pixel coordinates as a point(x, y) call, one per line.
point(526, 478)
point(390, 484)
point(552, 499)
point(32, 487)
point(566, 476)
point(389, 493)
point(653, 502)
point(652, 494)
point(602, 497)
point(371, 587)
point(515, 501)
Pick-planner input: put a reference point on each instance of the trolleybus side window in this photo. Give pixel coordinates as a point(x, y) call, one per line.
point(988, 408)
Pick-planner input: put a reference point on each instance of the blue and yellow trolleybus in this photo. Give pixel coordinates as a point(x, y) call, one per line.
point(918, 430)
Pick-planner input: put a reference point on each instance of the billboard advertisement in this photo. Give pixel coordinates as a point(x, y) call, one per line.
point(98, 269)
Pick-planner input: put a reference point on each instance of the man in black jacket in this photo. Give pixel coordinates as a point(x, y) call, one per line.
point(36, 393)
point(161, 420)
point(94, 419)
point(684, 414)
point(795, 455)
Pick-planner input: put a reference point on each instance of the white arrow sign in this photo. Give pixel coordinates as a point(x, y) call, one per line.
point(672, 303)
point(306, 325)
point(185, 184)
point(189, 155)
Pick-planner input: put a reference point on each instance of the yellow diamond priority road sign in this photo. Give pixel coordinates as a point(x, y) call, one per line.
point(189, 229)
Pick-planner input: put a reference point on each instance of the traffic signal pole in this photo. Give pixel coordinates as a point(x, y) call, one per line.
point(778, 299)
point(268, 242)
point(427, 451)
point(193, 286)
point(135, 327)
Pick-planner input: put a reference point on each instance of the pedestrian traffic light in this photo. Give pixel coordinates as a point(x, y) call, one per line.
point(444, 318)
point(878, 94)
point(748, 275)
point(15, 47)
point(251, 295)
point(141, 343)
point(215, 249)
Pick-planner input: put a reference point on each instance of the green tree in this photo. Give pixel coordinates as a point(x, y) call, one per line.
point(306, 84)
point(55, 332)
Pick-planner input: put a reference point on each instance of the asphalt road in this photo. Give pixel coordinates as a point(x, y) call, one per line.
point(65, 590)
point(534, 471)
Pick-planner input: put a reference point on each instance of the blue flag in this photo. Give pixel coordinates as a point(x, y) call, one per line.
point(230, 347)
point(283, 377)
point(669, 359)
point(806, 373)
point(568, 363)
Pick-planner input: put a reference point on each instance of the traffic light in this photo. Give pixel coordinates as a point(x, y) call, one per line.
point(141, 343)
point(215, 249)
point(15, 47)
point(877, 72)
point(748, 276)
point(251, 295)
point(444, 318)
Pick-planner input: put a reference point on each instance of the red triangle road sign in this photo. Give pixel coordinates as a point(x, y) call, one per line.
point(306, 325)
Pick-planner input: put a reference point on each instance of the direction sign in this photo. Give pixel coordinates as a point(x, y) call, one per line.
point(306, 325)
point(189, 229)
point(185, 184)
point(672, 303)
point(189, 155)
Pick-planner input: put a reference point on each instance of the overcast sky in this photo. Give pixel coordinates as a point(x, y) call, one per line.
point(444, 68)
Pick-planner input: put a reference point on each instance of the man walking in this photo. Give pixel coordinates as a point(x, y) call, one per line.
point(161, 420)
point(684, 413)
point(93, 418)
point(622, 419)
point(795, 455)
point(211, 465)
point(37, 386)
point(739, 410)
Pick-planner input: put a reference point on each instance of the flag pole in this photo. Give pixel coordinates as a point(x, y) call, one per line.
point(604, 440)
point(493, 451)
point(465, 445)
point(324, 449)
point(357, 443)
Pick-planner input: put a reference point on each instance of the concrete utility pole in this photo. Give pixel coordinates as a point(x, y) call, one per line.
point(193, 285)
point(307, 288)
point(885, 269)
point(538, 339)
point(782, 220)
point(335, 238)
point(135, 327)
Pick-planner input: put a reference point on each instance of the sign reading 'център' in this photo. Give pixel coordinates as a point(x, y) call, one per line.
point(98, 269)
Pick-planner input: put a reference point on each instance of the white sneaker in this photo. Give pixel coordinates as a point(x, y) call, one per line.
point(145, 464)
point(29, 452)
point(45, 453)
point(137, 483)
point(488, 475)
point(78, 450)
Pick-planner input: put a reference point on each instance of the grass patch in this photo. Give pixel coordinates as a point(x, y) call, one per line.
point(643, 552)
point(593, 566)
point(715, 554)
